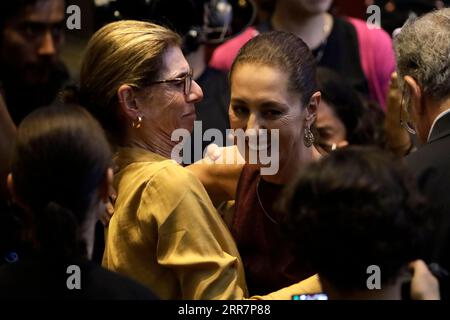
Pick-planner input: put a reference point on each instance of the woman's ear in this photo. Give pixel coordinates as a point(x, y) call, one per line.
point(311, 109)
point(127, 102)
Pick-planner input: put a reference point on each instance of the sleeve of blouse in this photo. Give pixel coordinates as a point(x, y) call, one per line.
point(193, 240)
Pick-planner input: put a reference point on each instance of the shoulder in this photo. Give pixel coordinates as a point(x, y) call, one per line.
point(155, 184)
point(172, 176)
point(167, 173)
point(430, 154)
point(170, 186)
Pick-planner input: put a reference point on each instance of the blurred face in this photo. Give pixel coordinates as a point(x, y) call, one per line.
point(260, 100)
point(311, 6)
point(165, 106)
point(330, 128)
point(32, 39)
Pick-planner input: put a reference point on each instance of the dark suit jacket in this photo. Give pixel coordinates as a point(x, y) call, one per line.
point(431, 164)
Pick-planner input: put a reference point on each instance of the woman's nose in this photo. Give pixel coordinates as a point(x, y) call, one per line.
point(254, 122)
point(196, 93)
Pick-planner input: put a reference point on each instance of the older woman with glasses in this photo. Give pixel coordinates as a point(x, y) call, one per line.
point(165, 232)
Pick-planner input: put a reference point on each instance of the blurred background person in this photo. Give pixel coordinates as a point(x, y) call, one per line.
point(361, 55)
point(394, 13)
point(31, 72)
point(355, 208)
point(61, 172)
point(344, 117)
point(9, 226)
point(423, 51)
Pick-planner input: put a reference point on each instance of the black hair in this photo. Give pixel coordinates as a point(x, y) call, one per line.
point(285, 51)
point(60, 159)
point(363, 120)
point(355, 208)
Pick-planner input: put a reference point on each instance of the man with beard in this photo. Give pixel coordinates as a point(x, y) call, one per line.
point(31, 73)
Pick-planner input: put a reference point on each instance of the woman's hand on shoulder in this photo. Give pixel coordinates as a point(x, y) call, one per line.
point(219, 172)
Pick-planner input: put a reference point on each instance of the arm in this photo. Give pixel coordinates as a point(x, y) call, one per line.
point(397, 138)
point(7, 137)
point(220, 179)
point(194, 242)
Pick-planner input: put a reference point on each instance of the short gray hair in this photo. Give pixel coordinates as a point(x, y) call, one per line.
point(422, 49)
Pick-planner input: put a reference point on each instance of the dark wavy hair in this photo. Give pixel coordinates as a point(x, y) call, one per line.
point(60, 159)
point(363, 120)
point(355, 208)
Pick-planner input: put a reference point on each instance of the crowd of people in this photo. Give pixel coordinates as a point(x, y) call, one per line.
point(357, 125)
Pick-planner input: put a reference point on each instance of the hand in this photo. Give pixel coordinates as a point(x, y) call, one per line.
point(424, 286)
point(398, 139)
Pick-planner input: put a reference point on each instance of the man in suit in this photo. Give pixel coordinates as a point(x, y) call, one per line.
point(423, 66)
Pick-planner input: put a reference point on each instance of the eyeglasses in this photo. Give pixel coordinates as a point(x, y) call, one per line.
point(186, 80)
point(406, 123)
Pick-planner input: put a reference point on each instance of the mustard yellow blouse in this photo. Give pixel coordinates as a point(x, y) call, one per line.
point(166, 234)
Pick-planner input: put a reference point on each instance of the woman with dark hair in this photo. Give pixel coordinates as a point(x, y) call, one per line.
point(359, 219)
point(273, 91)
point(60, 176)
point(344, 116)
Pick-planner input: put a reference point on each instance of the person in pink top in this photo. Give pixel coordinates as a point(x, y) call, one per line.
point(361, 53)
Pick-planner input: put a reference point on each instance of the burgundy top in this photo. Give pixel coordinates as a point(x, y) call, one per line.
point(268, 262)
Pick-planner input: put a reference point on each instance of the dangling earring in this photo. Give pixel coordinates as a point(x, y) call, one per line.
point(137, 124)
point(308, 137)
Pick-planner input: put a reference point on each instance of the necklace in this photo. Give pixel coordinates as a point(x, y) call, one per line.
point(261, 205)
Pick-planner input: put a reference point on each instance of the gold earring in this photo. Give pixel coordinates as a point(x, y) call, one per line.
point(137, 124)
